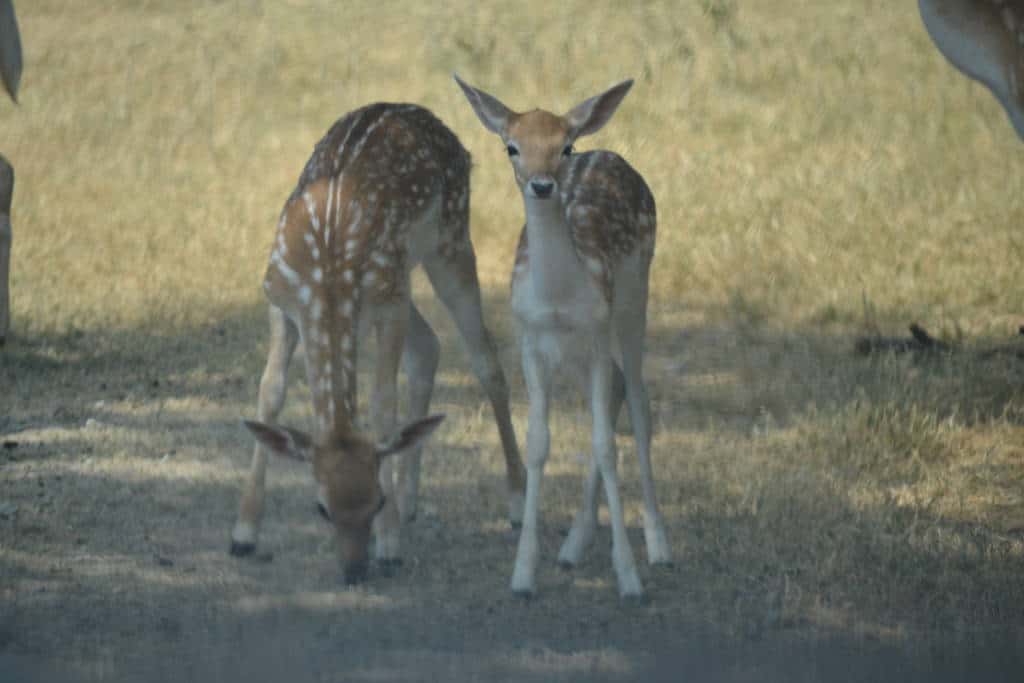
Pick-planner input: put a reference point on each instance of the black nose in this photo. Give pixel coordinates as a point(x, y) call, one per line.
point(355, 573)
point(542, 188)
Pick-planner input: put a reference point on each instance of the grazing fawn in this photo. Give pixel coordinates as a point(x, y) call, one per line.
point(580, 282)
point(985, 40)
point(387, 188)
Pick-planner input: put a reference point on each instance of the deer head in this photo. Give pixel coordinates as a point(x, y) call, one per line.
point(539, 142)
point(347, 467)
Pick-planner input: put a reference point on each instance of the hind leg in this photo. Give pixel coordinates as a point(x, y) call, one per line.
point(422, 351)
point(630, 323)
point(455, 280)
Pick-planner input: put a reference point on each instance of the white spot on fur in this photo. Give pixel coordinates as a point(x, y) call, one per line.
point(318, 274)
point(305, 294)
point(287, 272)
point(311, 208)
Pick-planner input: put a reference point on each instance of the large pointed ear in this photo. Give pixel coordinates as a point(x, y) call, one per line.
point(283, 441)
point(410, 435)
point(589, 116)
point(492, 113)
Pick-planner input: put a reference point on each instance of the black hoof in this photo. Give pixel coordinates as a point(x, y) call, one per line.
point(524, 596)
point(664, 566)
point(566, 566)
point(242, 549)
point(515, 525)
point(323, 511)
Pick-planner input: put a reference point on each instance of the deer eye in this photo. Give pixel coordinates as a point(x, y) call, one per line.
point(512, 150)
point(568, 151)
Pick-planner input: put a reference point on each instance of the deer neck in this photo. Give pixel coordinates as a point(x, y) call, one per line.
point(330, 362)
point(553, 261)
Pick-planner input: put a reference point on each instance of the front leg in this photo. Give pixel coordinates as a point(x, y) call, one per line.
point(391, 328)
point(284, 337)
point(538, 442)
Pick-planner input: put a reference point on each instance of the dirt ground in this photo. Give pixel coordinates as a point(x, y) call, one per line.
point(119, 477)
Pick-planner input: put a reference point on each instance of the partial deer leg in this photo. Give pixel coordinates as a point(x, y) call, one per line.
point(630, 322)
point(457, 285)
point(284, 336)
point(391, 325)
point(603, 443)
point(6, 236)
point(422, 351)
point(538, 442)
point(585, 523)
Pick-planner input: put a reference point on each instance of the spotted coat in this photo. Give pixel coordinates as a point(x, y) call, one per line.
point(611, 214)
point(343, 238)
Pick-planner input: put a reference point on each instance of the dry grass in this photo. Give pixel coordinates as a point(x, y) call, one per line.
point(820, 173)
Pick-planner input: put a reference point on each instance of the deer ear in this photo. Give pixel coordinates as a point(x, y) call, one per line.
point(410, 435)
point(589, 116)
point(289, 443)
point(491, 112)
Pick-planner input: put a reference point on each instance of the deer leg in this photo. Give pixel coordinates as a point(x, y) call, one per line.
point(390, 325)
point(603, 443)
point(422, 351)
point(585, 523)
point(457, 285)
point(538, 442)
point(284, 336)
point(6, 237)
point(5, 275)
point(630, 324)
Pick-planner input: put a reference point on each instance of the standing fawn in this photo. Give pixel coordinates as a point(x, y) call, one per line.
point(580, 282)
point(387, 188)
point(985, 40)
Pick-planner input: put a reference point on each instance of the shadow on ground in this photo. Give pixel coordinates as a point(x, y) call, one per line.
point(122, 574)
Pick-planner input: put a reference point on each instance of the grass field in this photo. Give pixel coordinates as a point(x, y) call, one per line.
point(821, 173)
